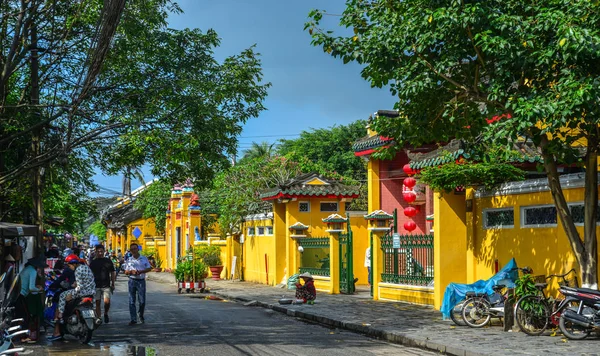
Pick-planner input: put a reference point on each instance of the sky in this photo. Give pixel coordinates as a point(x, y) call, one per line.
point(310, 89)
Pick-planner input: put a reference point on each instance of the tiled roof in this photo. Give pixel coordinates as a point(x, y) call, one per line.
point(297, 187)
point(335, 218)
point(298, 226)
point(379, 215)
point(370, 142)
point(523, 152)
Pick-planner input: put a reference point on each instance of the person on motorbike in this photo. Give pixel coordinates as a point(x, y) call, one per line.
point(84, 285)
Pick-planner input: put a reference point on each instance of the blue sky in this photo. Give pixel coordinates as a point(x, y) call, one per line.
point(310, 89)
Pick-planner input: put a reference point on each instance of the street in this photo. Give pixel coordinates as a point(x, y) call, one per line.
point(180, 325)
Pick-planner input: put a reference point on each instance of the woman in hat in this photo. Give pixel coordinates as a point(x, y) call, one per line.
point(306, 292)
point(30, 292)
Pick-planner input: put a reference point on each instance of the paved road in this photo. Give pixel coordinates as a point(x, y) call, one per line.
point(180, 325)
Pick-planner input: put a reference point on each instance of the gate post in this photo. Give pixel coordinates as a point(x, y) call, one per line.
point(376, 263)
point(334, 263)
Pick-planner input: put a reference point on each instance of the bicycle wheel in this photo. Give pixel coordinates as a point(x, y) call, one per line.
point(476, 312)
point(456, 314)
point(532, 315)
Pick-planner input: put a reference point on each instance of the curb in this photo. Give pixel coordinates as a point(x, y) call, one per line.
point(389, 336)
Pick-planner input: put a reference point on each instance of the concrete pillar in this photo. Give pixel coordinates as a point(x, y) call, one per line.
point(376, 263)
point(373, 186)
point(450, 237)
point(334, 263)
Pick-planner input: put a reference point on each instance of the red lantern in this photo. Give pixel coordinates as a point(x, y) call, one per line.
point(410, 182)
point(406, 168)
point(410, 211)
point(410, 225)
point(410, 196)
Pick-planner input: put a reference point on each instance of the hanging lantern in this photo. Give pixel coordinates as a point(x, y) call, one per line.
point(410, 211)
point(410, 225)
point(409, 196)
point(408, 170)
point(410, 182)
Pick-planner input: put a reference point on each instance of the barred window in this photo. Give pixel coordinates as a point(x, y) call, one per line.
point(498, 218)
point(304, 207)
point(269, 230)
point(250, 231)
point(261, 230)
point(330, 207)
point(539, 216)
point(578, 213)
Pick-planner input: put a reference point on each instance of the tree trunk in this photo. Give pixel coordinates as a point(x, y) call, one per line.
point(589, 265)
point(562, 208)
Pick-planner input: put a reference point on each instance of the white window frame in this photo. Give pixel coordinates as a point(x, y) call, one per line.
point(485, 223)
point(523, 210)
point(251, 231)
point(337, 205)
point(258, 230)
point(267, 230)
point(582, 203)
point(302, 202)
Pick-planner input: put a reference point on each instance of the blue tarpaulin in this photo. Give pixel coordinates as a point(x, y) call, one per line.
point(455, 292)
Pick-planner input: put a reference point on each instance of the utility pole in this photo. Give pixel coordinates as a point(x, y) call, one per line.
point(34, 95)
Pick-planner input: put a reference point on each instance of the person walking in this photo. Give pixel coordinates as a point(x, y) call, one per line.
point(104, 276)
point(136, 268)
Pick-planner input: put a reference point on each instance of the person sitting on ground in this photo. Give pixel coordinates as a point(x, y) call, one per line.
point(306, 292)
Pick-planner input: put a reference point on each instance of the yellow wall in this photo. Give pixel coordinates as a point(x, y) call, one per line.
point(360, 242)
point(449, 243)
point(545, 249)
point(148, 230)
point(373, 185)
point(255, 248)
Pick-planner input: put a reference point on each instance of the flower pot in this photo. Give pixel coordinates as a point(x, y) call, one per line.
point(216, 272)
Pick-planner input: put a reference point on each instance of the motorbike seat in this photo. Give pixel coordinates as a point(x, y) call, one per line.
point(587, 290)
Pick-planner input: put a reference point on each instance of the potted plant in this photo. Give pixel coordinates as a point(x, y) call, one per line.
point(190, 275)
point(157, 262)
point(211, 255)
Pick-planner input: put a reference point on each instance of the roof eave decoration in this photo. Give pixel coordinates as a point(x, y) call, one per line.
point(335, 218)
point(368, 145)
point(300, 187)
point(299, 226)
point(379, 215)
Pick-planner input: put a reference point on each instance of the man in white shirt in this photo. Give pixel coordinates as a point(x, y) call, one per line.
point(136, 268)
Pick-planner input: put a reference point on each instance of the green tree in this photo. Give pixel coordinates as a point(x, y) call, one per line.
point(98, 229)
point(109, 83)
point(531, 67)
point(331, 147)
point(257, 150)
point(153, 203)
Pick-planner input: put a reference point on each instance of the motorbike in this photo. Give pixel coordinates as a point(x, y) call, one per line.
point(9, 327)
point(80, 319)
point(578, 321)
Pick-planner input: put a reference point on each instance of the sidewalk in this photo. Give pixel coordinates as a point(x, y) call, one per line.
point(399, 323)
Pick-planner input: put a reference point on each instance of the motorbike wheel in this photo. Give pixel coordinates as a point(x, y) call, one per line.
point(456, 314)
point(86, 337)
point(572, 331)
point(476, 312)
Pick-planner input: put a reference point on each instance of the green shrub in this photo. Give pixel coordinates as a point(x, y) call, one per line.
point(210, 254)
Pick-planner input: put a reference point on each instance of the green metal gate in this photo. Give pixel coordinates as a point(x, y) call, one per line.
point(346, 265)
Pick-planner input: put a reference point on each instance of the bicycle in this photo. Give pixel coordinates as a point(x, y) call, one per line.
point(479, 308)
point(535, 312)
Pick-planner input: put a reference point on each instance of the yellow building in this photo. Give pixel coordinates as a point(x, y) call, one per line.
point(125, 225)
point(306, 231)
point(476, 231)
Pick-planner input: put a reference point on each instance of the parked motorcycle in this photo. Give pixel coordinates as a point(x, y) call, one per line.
point(9, 327)
point(579, 321)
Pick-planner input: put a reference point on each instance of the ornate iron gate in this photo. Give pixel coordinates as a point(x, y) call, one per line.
point(346, 265)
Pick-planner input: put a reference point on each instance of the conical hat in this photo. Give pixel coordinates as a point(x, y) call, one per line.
point(9, 258)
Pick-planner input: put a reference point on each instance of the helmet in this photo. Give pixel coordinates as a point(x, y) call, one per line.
point(72, 259)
